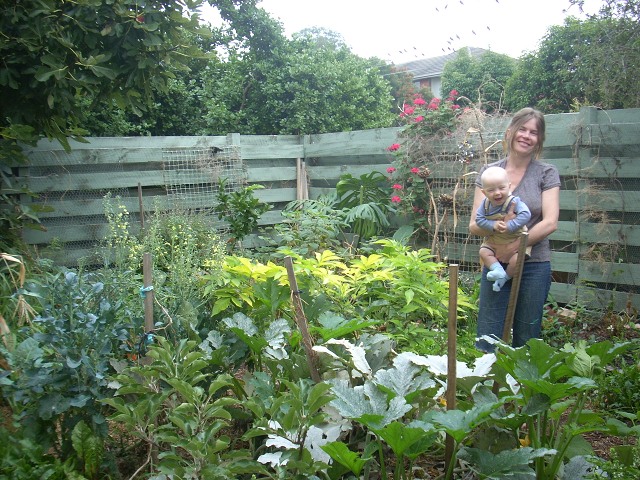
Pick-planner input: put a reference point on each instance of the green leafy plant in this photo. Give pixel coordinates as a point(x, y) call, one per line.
point(180, 411)
point(60, 362)
point(549, 394)
point(174, 237)
point(291, 416)
point(240, 209)
point(395, 283)
point(308, 226)
point(25, 458)
point(89, 449)
point(619, 389)
point(366, 202)
point(624, 463)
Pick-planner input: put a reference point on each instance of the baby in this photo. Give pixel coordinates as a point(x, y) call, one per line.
point(490, 216)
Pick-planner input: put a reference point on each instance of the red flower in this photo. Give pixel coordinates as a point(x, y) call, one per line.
point(391, 170)
point(415, 170)
point(394, 147)
point(453, 93)
point(419, 118)
point(396, 186)
point(396, 199)
point(419, 101)
point(455, 107)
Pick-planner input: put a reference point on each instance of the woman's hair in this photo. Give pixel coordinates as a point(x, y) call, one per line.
point(520, 118)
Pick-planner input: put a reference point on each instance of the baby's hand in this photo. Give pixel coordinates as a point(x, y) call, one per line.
point(500, 226)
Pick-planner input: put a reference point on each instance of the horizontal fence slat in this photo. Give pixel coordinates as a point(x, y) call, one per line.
point(601, 200)
point(612, 134)
point(93, 181)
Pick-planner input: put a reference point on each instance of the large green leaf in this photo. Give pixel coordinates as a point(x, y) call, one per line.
point(506, 464)
point(401, 438)
point(367, 404)
point(339, 452)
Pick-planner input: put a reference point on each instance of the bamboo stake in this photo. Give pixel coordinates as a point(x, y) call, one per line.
point(452, 333)
point(301, 321)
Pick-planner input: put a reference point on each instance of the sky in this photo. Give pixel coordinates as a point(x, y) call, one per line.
point(405, 30)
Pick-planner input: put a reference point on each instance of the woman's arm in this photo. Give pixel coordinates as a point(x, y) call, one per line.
point(550, 213)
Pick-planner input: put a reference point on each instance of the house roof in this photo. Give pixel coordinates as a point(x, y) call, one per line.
point(433, 67)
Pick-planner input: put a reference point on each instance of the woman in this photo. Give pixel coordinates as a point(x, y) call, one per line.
point(538, 185)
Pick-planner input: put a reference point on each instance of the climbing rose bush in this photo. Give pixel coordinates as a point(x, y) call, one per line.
point(409, 175)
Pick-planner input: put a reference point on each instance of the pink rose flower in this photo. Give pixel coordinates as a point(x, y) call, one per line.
point(394, 147)
point(391, 170)
point(415, 170)
point(396, 186)
point(396, 199)
point(419, 101)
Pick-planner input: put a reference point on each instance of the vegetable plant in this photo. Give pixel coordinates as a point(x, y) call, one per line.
point(59, 367)
point(240, 209)
point(179, 411)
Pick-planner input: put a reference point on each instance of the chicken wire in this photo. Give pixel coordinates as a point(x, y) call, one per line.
point(190, 180)
point(192, 176)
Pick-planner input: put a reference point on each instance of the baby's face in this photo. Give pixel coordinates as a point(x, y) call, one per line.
point(496, 190)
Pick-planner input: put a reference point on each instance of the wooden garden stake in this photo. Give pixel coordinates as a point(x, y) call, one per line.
point(515, 288)
point(513, 297)
point(301, 321)
point(452, 333)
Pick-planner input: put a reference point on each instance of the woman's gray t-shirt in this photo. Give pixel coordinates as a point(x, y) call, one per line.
point(538, 178)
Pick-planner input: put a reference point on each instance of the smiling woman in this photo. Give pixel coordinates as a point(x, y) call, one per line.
point(538, 186)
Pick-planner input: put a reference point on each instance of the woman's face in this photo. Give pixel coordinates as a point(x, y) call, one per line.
point(525, 140)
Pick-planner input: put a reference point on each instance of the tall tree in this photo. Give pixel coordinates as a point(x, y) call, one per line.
point(53, 50)
point(594, 61)
point(315, 84)
point(480, 79)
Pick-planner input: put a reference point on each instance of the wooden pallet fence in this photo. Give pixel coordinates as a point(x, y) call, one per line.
point(596, 257)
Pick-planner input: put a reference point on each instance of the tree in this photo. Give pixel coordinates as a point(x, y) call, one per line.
point(53, 51)
point(480, 79)
point(315, 84)
point(593, 61)
point(175, 110)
